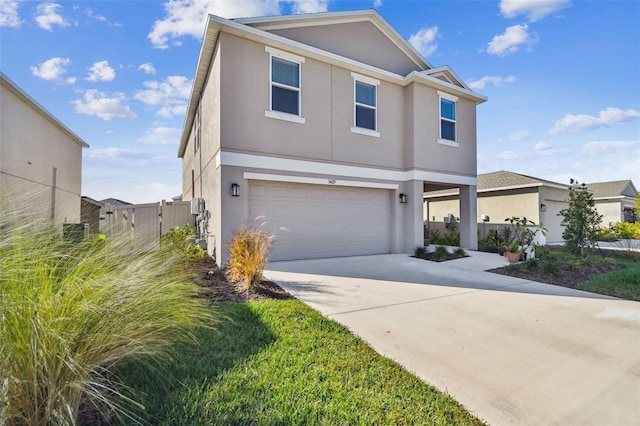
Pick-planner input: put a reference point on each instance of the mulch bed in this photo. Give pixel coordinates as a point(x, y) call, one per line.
point(217, 289)
point(436, 258)
point(566, 277)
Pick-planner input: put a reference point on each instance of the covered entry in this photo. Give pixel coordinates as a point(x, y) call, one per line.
point(311, 221)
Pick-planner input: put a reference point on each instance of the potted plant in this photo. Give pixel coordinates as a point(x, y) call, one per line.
point(513, 250)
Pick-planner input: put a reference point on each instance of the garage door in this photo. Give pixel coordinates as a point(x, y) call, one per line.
point(552, 221)
point(311, 221)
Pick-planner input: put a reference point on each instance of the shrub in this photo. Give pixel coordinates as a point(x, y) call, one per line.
point(459, 252)
point(419, 251)
point(548, 266)
point(69, 313)
point(532, 263)
point(248, 255)
point(440, 253)
point(177, 240)
point(452, 236)
point(434, 236)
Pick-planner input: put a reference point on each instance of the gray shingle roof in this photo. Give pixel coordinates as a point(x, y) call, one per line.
point(612, 189)
point(502, 180)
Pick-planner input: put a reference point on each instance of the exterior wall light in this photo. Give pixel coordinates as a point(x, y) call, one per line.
point(235, 190)
point(543, 207)
point(403, 198)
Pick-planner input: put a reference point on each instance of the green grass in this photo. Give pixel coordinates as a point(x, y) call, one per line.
point(623, 283)
point(280, 362)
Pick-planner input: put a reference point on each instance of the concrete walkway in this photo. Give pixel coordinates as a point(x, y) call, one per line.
point(512, 351)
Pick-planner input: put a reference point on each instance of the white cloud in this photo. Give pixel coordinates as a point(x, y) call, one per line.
point(48, 16)
point(511, 41)
point(100, 18)
point(495, 80)
point(9, 14)
point(147, 68)
point(608, 117)
point(377, 3)
point(594, 147)
point(533, 9)
point(51, 69)
point(424, 41)
point(99, 104)
point(542, 146)
point(188, 17)
point(101, 71)
point(170, 95)
point(161, 136)
point(309, 6)
point(518, 136)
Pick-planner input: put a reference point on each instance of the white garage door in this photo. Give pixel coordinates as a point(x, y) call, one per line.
point(311, 221)
point(552, 221)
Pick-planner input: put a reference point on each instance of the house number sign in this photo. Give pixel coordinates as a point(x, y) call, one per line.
point(332, 181)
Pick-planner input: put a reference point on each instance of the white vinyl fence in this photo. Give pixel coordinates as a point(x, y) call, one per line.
point(143, 224)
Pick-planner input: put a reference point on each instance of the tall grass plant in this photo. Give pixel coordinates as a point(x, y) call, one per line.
point(69, 313)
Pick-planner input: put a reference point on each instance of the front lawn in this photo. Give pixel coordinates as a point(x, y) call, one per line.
point(281, 362)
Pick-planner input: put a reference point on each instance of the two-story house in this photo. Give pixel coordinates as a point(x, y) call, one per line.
point(40, 159)
point(328, 128)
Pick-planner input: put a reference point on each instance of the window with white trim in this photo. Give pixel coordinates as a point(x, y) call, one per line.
point(285, 100)
point(448, 105)
point(365, 109)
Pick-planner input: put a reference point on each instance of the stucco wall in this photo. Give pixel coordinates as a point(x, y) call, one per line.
point(611, 211)
point(361, 41)
point(35, 155)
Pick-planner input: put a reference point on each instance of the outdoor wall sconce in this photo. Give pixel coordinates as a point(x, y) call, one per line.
point(235, 190)
point(403, 198)
point(543, 207)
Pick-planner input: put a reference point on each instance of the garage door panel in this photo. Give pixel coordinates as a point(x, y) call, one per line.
point(312, 221)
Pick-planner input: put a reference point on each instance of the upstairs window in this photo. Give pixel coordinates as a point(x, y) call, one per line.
point(448, 105)
point(365, 105)
point(285, 90)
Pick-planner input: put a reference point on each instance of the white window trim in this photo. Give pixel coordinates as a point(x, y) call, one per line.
point(373, 82)
point(441, 140)
point(279, 115)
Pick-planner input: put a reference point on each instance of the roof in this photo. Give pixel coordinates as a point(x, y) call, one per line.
point(254, 29)
point(91, 201)
point(115, 202)
point(504, 180)
point(16, 90)
point(612, 189)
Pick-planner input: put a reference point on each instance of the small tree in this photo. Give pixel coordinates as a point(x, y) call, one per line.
point(581, 220)
point(636, 209)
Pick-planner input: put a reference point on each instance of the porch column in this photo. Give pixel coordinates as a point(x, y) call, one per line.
point(469, 217)
point(414, 223)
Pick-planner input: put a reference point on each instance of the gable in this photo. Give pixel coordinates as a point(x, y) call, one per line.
point(361, 41)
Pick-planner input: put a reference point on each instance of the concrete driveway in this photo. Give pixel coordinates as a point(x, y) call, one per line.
point(512, 351)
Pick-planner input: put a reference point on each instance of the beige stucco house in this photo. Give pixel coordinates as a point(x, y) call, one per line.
point(615, 200)
point(40, 158)
point(328, 128)
point(502, 195)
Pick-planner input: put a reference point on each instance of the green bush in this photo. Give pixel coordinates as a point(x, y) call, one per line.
point(459, 252)
point(626, 230)
point(177, 240)
point(440, 253)
point(248, 255)
point(69, 313)
point(549, 266)
point(419, 251)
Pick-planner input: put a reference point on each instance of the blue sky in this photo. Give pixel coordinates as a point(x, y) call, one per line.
point(562, 78)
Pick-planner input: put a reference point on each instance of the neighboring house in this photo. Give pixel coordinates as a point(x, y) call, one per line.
point(328, 128)
point(615, 200)
point(40, 158)
point(503, 195)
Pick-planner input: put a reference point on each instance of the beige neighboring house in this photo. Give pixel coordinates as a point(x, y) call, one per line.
point(40, 158)
point(615, 200)
point(503, 195)
point(328, 128)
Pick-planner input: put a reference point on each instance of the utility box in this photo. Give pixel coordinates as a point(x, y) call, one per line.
point(75, 232)
point(197, 205)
